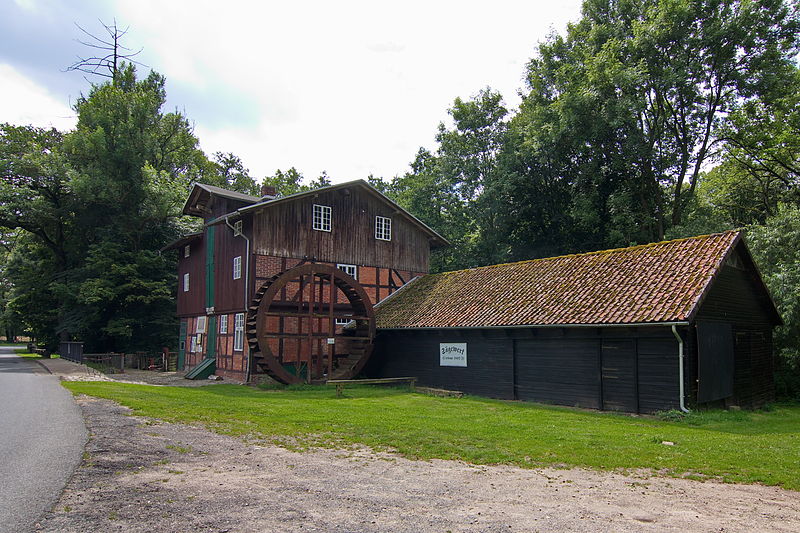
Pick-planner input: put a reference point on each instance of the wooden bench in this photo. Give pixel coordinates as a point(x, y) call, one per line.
point(340, 383)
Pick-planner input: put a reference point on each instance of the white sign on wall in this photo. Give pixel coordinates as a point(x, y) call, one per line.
point(452, 354)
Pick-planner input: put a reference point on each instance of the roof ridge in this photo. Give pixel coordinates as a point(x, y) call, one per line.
point(595, 252)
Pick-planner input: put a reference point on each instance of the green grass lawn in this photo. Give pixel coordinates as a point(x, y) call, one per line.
point(749, 447)
point(23, 352)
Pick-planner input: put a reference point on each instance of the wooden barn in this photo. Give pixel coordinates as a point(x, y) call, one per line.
point(270, 282)
point(641, 329)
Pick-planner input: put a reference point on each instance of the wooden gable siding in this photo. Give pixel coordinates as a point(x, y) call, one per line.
point(286, 230)
point(736, 298)
point(219, 206)
point(229, 292)
point(193, 301)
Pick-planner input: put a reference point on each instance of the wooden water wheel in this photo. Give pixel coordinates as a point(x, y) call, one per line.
point(310, 324)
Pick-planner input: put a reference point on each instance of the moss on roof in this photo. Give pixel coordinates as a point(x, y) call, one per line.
point(651, 283)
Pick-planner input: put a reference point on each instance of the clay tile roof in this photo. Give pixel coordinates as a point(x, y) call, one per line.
point(660, 282)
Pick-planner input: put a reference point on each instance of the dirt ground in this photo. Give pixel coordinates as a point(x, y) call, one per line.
point(141, 475)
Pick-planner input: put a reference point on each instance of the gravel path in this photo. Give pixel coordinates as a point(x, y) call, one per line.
point(141, 475)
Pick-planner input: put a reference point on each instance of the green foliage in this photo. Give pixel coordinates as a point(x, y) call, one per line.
point(230, 173)
point(622, 115)
point(291, 182)
point(749, 447)
point(776, 248)
point(447, 190)
point(91, 209)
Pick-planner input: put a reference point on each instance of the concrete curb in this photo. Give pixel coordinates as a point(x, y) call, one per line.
point(38, 362)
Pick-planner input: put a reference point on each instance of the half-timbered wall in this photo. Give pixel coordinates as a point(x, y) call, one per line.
point(286, 230)
point(378, 282)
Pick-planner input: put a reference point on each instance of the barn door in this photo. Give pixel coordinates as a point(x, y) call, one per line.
point(715, 360)
point(619, 375)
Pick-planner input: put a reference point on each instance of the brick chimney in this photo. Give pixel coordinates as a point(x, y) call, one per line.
point(268, 192)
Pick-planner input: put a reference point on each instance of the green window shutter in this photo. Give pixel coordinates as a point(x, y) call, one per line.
point(211, 338)
point(210, 266)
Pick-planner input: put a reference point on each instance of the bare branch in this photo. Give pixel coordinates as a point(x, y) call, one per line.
point(116, 52)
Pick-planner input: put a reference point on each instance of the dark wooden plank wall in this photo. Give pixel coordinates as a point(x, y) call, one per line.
point(550, 365)
point(192, 302)
point(659, 374)
point(490, 361)
point(563, 371)
point(736, 298)
point(229, 293)
point(286, 230)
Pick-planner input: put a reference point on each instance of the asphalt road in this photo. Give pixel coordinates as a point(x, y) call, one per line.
point(42, 435)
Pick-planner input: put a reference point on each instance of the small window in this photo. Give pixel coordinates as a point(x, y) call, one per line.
point(186, 250)
point(322, 217)
point(383, 228)
point(237, 227)
point(223, 324)
point(200, 327)
point(193, 344)
point(238, 332)
point(186, 282)
point(237, 267)
point(350, 270)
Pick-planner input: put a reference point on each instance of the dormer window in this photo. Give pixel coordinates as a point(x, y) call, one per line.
point(322, 217)
point(383, 228)
point(186, 250)
point(237, 227)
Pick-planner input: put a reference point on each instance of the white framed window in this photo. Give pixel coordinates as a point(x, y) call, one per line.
point(383, 228)
point(238, 332)
point(193, 344)
point(223, 324)
point(187, 250)
point(350, 270)
point(200, 326)
point(237, 227)
point(186, 282)
point(322, 217)
point(237, 267)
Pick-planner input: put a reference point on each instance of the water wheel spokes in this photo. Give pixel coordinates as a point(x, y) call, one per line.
point(309, 324)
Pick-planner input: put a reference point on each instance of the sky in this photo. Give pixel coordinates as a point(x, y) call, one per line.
point(350, 88)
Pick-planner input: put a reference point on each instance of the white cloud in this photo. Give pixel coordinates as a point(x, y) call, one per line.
point(24, 102)
point(351, 87)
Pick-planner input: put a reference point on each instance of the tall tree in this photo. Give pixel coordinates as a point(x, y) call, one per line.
point(109, 52)
point(230, 173)
point(776, 247)
point(625, 109)
point(452, 189)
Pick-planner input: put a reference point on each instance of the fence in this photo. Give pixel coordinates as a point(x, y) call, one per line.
point(118, 362)
point(72, 351)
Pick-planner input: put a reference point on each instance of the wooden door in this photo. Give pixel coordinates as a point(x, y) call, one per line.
point(182, 345)
point(619, 375)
